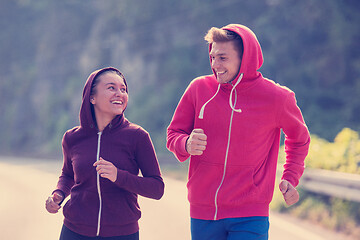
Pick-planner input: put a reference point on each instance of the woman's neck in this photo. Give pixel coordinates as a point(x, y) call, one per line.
point(102, 122)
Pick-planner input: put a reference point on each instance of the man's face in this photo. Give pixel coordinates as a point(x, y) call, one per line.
point(225, 61)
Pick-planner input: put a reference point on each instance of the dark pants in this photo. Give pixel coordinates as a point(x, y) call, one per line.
point(67, 234)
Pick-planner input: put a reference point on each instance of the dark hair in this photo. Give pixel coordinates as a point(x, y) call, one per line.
point(102, 72)
point(96, 81)
point(220, 35)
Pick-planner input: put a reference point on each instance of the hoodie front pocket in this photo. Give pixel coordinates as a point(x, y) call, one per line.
point(82, 208)
point(204, 182)
point(120, 208)
point(238, 186)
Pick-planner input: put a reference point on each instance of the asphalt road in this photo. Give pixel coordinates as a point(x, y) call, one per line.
point(25, 185)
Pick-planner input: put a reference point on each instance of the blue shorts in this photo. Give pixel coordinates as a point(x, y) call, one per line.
point(244, 228)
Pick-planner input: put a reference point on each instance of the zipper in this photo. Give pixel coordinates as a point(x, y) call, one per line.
point(225, 163)
point(98, 184)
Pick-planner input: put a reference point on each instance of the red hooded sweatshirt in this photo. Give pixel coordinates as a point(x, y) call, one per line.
point(235, 175)
point(99, 207)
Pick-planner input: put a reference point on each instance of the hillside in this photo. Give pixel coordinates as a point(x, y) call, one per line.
point(48, 48)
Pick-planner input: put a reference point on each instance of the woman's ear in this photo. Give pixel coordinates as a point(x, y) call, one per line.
point(92, 100)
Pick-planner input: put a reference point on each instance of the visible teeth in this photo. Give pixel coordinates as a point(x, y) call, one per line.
point(117, 102)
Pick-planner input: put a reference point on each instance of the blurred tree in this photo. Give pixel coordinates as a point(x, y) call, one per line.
point(48, 48)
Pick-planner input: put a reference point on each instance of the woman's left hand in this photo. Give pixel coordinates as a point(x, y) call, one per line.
point(106, 169)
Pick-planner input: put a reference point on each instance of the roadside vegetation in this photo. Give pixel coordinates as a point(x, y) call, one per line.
point(341, 155)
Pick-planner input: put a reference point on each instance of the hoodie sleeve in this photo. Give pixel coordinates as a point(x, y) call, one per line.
point(150, 184)
point(66, 179)
point(181, 125)
point(297, 140)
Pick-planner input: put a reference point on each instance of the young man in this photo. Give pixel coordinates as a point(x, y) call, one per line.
point(229, 124)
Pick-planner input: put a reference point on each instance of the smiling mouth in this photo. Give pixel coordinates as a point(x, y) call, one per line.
point(117, 102)
point(220, 73)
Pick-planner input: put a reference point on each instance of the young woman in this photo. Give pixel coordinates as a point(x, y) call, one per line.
point(102, 160)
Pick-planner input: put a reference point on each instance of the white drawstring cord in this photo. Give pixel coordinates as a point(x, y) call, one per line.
point(231, 93)
point(201, 114)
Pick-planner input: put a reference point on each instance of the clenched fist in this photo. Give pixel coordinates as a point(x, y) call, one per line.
point(196, 143)
point(106, 169)
point(291, 195)
point(52, 204)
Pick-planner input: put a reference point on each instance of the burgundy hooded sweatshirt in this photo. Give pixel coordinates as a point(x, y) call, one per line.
point(97, 206)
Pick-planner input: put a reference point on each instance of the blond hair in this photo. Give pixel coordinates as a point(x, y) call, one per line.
point(221, 35)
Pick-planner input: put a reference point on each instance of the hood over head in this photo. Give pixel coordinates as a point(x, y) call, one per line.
point(87, 117)
point(252, 58)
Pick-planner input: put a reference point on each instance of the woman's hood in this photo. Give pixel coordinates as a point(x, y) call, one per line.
point(87, 118)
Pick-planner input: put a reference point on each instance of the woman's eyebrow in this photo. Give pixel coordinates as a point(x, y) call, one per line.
point(110, 83)
point(114, 84)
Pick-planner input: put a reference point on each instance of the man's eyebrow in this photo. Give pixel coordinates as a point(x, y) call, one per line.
point(217, 54)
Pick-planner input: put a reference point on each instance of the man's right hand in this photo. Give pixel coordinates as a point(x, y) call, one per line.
point(196, 143)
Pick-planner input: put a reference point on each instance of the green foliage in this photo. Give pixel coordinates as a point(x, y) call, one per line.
point(48, 48)
point(343, 155)
point(332, 213)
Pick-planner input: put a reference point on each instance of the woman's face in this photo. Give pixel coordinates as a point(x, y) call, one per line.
point(110, 98)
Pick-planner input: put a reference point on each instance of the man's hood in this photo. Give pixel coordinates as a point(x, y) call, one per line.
point(252, 58)
point(251, 62)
